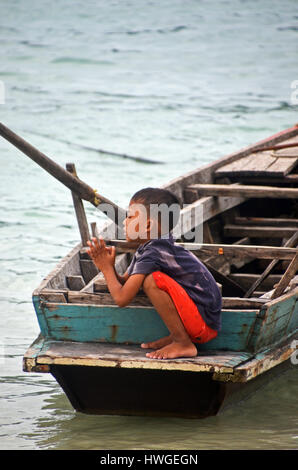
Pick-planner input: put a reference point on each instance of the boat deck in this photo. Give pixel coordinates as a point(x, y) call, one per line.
point(224, 366)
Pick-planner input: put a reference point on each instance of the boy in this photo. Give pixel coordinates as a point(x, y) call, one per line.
point(180, 287)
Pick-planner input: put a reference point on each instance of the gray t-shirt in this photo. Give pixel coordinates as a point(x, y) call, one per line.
point(162, 254)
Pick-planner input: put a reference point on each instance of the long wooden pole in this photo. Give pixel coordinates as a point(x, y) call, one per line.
point(79, 209)
point(291, 242)
point(288, 275)
point(277, 147)
point(83, 190)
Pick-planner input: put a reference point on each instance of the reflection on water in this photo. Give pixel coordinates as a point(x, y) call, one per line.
point(266, 420)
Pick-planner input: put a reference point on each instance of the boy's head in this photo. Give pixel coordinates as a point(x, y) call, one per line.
point(152, 212)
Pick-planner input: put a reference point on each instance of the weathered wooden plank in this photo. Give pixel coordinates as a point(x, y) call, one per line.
point(267, 221)
point(242, 251)
point(129, 357)
point(120, 266)
point(260, 164)
point(235, 331)
point(248, 191)
point(277, 320)
point(258, 231)
point(288, 180)
point(53, 296)
point(282, 165)
point(89, 270)
point(100, 285)
point(75, 282)
point(260, 363)
point(30, 356)
point(254, 251)
point(89, 323)
point(246, 279)
point(286, 278)
point(209, 207)
point(103, 298)
point(240, 303)
point(190, 196)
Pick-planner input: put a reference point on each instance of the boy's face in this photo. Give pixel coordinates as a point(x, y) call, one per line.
point(138, 226)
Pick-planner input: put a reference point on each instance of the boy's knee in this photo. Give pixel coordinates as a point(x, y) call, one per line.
point(149, 282)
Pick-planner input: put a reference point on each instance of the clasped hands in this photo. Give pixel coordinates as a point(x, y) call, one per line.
point(103, 256)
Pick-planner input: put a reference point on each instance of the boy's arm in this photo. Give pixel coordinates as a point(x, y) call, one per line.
point(104, 259)
point(122, 278)
point(123, 294)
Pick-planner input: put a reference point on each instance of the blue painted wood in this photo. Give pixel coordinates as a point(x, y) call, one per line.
point(236, 327)
point(248, 330)
point(293, 321)
point(275, 323)
point(41, 318)
point(89, 323)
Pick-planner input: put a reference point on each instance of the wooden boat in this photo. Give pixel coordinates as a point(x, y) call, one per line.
point(250, 216)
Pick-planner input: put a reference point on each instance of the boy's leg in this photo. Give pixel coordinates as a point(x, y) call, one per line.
point(178, 343)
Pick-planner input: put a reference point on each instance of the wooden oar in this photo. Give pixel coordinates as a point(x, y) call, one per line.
point(277, 147)
point(83, 190)
point(286, 278)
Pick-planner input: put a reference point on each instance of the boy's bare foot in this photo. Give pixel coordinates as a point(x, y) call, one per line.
point(159, 343)
point(174, 350)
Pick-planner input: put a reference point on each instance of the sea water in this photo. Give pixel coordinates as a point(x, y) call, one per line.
point(183, 82)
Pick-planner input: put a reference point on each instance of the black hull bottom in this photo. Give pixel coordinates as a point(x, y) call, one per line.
point(145, 392)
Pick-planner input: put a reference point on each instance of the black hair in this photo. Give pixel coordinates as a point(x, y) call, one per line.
point(158, 196)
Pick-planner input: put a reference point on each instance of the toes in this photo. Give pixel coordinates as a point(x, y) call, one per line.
point(153, 355)
point(157, 355)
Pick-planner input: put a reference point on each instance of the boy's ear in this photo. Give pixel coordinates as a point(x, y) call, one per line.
point(152, 228)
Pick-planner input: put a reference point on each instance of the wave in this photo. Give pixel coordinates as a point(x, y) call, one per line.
point(287, 28)
point(80, 60)
point(32, 44)
point(175, 29)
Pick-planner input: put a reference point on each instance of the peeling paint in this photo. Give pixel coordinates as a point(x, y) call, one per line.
point(114, 331)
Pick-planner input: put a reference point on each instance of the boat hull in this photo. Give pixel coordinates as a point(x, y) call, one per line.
point(107, 391)
point(109, 379)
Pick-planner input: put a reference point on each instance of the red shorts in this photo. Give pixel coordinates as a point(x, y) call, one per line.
point(197, 329)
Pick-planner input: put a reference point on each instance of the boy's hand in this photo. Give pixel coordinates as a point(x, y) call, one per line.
point(103, 256)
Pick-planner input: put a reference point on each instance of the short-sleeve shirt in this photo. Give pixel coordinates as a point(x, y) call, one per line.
point(162, 254)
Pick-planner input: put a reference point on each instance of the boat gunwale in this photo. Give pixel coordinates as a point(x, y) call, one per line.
point(182, 181)
point(54, 305)
point(59, 268)
point(206, 170)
